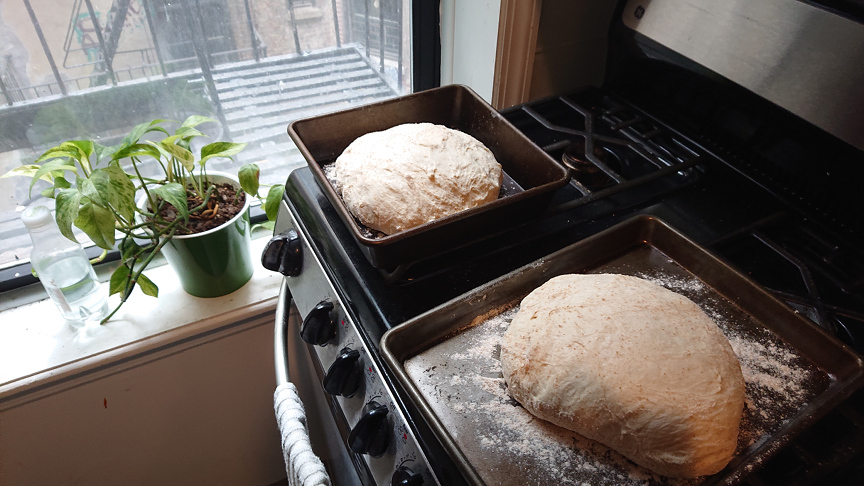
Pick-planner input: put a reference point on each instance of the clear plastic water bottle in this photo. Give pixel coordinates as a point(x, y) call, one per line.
point(64, 270)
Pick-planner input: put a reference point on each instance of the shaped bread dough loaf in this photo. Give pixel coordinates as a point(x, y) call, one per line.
point(630, 364)
point(402, 177)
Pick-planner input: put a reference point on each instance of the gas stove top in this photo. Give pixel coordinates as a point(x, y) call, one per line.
point(647, 168)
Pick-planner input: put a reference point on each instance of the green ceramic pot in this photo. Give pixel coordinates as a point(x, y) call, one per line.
point(218, 261)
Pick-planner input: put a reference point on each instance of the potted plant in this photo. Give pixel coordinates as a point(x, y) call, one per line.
point(199, 219)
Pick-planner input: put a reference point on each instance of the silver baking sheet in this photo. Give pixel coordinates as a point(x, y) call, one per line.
point(447, 361)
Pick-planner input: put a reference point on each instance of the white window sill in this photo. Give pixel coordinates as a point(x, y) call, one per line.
point(38, 347)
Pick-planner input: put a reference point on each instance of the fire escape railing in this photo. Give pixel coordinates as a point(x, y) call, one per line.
point(99, 42)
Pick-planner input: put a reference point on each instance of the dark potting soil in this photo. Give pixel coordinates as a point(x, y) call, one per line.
point(223, 205)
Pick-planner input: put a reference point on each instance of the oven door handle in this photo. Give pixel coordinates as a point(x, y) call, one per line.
point(302, 466)
point(281, 335)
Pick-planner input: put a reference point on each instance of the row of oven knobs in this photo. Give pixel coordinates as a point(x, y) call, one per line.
point(344, 378)
point(283, 254)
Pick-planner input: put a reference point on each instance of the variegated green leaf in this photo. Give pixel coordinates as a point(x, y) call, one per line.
point(86, 146)
point(104, 152)
point(220, 149)
point(195, 120)
point(85, 149)
point(170, 139)
point(116, 189)
point(128, 249)
point(171, 150)
point(274, 198)
point(268, 225)
point(68, 151)
point(88, 189)
point(68, 202)
point(26, 171)
point(248, 175)
point(50, 168)
point(147, 286)
point(136, 150)
point(188, 133)
point(174, 194)
point(118, 280)
point(97, 222)
point(60, 182)
point(136, 133)
point(79, 150)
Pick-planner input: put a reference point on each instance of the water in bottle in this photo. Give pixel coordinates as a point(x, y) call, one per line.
point(64, 270)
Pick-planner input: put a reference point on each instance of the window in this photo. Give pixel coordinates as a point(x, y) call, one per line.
point(96, 68)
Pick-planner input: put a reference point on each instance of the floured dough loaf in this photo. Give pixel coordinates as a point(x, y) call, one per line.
point(629, 364)
point(402, 177)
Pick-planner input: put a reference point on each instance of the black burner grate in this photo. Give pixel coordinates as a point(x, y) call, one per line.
point(609, 146)
point(818, 275)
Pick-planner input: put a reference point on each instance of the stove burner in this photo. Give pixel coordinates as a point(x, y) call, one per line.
point(584, 169)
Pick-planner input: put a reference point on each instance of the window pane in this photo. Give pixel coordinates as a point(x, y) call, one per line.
point(93, 69)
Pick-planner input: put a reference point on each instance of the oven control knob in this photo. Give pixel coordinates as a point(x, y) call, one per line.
point(372, 432)
point(345, 374)
point(319, 327)
point(406, 477)
point(283, 254)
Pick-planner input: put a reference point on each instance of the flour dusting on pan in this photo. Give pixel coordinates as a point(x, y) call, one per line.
point(461, 380)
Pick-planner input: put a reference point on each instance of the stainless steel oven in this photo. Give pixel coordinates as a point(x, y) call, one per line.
point(735, 123)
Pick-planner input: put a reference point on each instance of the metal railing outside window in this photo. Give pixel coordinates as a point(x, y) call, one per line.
point(106, 65)
point(97, 39)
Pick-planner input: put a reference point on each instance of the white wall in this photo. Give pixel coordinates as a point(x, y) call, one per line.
point(195, 412)
point(469, 37)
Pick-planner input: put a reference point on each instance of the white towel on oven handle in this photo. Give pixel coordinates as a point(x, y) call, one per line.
point(304, 468)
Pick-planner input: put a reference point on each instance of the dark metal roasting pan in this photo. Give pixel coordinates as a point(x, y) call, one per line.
point(537, 176)
point(447, 361)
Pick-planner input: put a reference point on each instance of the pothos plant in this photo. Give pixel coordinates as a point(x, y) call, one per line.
point(96, 186)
